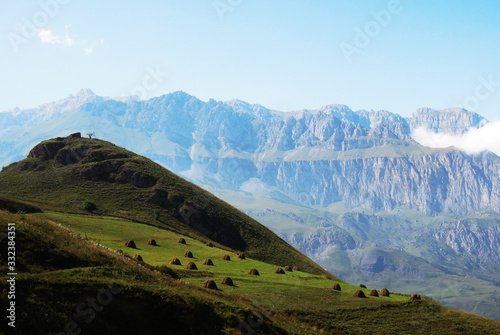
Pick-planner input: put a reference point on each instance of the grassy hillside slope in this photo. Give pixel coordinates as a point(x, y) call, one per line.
point(60, 279)
point(59, 174)
point(69, 280)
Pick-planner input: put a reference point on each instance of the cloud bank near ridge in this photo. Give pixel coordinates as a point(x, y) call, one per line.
point(474, 141)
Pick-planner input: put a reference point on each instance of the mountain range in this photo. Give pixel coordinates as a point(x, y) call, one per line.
point(351, 189)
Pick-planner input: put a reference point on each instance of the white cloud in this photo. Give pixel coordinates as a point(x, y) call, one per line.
point(47, 36)
point(474, 141)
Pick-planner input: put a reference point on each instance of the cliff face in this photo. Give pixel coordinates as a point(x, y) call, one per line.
point(362, 159)
point(450, 182)
point(478, 241)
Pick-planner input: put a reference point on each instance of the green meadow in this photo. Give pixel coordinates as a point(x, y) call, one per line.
point(295, 289)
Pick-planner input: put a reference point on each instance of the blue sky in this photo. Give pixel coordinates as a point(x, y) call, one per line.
point(285, 55)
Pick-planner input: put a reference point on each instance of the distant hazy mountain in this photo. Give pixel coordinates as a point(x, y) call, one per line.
point(452, 121)
point(352, 189)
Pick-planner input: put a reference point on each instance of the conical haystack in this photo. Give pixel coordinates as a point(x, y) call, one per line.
point(210, 284)
point(359, 294)
point(130, 244)
point(415, 297)
point(175, 261)
point(384, 292)
point(336, 287)
point(191, 266)
point(207, 261)
point(227, 281)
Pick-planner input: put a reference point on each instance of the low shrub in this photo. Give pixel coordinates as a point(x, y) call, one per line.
point(89, 206)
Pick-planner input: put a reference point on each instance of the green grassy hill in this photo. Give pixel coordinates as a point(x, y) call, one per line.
point(75, 272)
point(60, 174)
